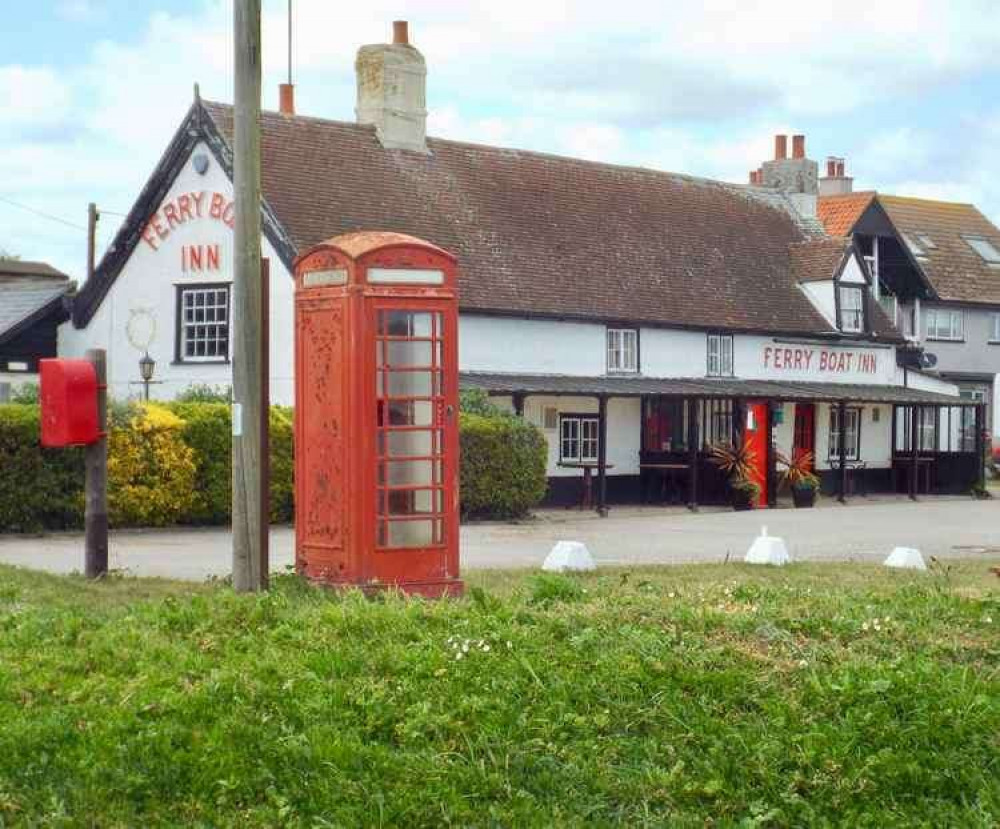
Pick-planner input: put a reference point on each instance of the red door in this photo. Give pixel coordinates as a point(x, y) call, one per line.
point(804, 439)
point(756, 440)
point(416, 448)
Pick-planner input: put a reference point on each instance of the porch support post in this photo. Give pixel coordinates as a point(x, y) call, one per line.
point(602, 456)
point(519, 403)
point(916, 412)
point(772, 462)
point(842, 417)
point(693, 438)
point(981, 445)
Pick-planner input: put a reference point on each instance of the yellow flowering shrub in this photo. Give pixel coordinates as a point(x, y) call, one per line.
point(151, 470)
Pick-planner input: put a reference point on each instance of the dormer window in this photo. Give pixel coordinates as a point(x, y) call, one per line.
point(623, 350)
point(852, 308)
point(985, 248)
point(914, 248)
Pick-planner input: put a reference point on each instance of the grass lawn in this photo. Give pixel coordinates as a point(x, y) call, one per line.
point(819, 694)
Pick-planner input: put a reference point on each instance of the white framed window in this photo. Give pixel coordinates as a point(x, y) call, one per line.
point(852, 307)
point(944, 324)
point(623, 349)
point(995, 328)
point(578, 438)
point(202, 323)
point(985, 248)
point(720, 355)
point(853, 436)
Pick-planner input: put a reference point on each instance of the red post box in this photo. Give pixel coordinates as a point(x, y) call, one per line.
point(68, 403)
point(376, 414)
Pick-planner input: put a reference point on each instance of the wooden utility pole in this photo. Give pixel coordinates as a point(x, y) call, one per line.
point(92, 216)
point(95, 562)
point(250, 563)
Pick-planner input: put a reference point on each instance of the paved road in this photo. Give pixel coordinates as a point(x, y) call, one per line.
point(863, 530)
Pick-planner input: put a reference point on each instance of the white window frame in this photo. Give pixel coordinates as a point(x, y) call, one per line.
point(933, 327)
point(852, 320)
point(623, 350)
point(719, 355)
point(853, 433)
point(995, 327)
point(188, 325)
point(579, 437)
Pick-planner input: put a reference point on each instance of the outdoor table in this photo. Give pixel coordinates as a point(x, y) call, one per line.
point(668, 469)
point(587, 498)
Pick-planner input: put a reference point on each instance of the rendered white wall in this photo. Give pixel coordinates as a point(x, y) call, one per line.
point(148, 281)
point(623, 431)
point(524, 346)
point(876, 438)
point(666, 353)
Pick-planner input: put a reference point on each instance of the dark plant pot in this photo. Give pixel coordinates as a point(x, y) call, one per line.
point(743, 500)
point(803, 496)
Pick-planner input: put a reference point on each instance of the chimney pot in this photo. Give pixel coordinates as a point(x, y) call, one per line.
point(286, 99)
point(780, 147)
point(831, 167)
point(400, 32)
point(840, 168)
point(798, 146)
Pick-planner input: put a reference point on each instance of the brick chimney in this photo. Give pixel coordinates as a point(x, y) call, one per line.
point(286, 99)
point(835, 182)
point(797, 176)
point(392, 91)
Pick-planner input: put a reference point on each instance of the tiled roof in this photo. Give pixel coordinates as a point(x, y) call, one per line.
point(564, 384)
point(541, 234)
point(839, 213)
point(18, 270)
point(19, 302)
point(954, 269)
point(817, 260)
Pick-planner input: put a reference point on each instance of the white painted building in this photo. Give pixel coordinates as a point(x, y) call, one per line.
point(677, 307)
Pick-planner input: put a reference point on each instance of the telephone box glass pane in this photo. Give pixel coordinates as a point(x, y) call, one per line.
point(408, 353)
point(409, 501)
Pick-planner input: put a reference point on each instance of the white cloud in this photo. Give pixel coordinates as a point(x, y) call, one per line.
point(31, 96)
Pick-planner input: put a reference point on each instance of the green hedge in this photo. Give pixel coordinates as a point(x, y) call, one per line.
point(208, 430)
point(503, 465)
point(39, 488)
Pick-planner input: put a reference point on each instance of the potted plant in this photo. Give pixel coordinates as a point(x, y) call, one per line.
point(799, 477)
point(739, 463)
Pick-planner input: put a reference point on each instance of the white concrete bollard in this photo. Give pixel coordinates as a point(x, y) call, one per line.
point(569, 556)
point(906, 558)
point(767, 549)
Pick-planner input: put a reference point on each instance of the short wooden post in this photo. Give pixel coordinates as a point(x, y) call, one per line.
point(980, 445)
point(842, 416)
point(96, 463)
point(602, 456)
point(693, 437)
point(770, 473)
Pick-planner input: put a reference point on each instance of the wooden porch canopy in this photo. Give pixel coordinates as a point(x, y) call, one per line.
point(519, 386)
point(567, 385)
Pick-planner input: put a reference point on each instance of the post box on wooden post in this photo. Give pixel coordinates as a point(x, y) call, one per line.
point(376, 414)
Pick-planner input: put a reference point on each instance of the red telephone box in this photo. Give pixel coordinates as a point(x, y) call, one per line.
point(376, 414)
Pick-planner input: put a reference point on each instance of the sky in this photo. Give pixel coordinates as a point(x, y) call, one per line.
point(907, 90)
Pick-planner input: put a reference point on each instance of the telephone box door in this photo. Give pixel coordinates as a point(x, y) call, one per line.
point(756, 439)
point(415, 414)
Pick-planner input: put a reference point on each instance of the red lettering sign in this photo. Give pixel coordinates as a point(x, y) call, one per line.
point(829, 361)
point(185, 208)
